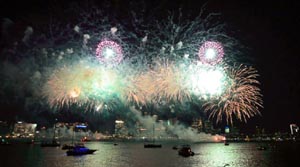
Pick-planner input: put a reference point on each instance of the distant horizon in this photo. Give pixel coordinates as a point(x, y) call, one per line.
point(242, 127)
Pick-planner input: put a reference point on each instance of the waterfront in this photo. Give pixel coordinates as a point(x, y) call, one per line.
point(133, 154)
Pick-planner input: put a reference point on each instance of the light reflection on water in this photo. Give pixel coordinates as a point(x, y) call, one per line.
point(135, 155)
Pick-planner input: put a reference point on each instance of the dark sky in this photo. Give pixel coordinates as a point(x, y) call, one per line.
point(270, 30)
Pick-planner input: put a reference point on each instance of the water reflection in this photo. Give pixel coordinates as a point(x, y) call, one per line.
point(134, 154)
point(221, 155)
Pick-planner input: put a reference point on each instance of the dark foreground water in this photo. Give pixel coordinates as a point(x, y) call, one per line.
point(127, 154)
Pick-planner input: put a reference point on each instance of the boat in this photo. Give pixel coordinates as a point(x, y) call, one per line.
point(85, 139)
point(71, 146)
point(174, 147)
point(80, 150)
point(261, 148)
point(4, 142)
point(186, 151)
point(53, 143)
point(152, 144)
point(67, 146)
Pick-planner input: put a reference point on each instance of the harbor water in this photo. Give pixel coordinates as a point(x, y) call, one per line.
point(133, 154)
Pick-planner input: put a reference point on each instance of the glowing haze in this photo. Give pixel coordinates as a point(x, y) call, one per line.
point(160, 63)
point(207, 81)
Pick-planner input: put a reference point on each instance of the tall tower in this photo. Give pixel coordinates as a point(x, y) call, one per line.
point(197, 124)
point(120, 129)
point(294, 129)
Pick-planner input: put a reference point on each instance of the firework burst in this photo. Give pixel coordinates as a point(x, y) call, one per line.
point(211, 53)
point(141, 88)
point(83, 84)
point(206, 81)
point(168, 81)
point(62, 89)
point(109, 52)
point(242, 99)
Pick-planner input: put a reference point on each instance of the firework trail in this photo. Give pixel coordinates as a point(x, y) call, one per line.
point(162, 82)
point(83, 83)
point(242, 99)
point(61, 88)
point(141, 89)
point(168, 81)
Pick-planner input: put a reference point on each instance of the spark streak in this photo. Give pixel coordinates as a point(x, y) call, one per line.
point(242, 99)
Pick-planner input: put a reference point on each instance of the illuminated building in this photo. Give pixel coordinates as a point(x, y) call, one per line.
point(5, 129)
point(64, 131)
point(208, 127)
point(120, 129)
point(24, 130)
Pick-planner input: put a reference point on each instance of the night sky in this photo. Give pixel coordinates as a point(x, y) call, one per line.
point(270, 31)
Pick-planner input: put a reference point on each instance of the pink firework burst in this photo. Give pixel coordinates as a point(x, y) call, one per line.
point(211, 52)
point(109, 52)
